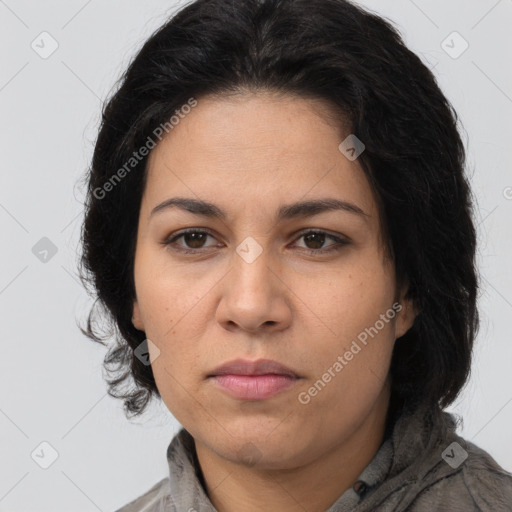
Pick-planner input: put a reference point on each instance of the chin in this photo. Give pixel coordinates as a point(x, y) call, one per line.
point(263, 446)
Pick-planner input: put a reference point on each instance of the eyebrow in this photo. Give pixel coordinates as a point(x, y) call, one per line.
point(286, 212)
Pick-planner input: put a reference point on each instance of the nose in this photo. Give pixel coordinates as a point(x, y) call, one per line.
point(254, 296)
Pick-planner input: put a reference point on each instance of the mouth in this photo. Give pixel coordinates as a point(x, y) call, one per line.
point(253, 380)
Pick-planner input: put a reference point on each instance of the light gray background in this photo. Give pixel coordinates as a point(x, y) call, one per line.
point(51, 380)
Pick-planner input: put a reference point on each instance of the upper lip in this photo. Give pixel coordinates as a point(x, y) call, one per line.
point(259, 367)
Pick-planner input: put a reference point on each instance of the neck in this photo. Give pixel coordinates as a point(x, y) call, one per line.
point(314, 486)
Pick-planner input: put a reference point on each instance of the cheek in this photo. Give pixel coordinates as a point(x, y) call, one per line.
point(355, 320)
point(171, 308)
point(348, 300)
point(168, 298)
point(348, 372)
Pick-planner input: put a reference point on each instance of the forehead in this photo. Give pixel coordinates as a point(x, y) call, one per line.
point(255, 147)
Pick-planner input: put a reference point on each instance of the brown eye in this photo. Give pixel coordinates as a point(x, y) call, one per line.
point(315, 240)
point(193, 240)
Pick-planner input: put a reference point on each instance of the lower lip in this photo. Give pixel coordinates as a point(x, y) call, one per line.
point(254, 387)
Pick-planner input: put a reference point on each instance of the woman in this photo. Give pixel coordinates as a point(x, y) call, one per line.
point(279, 227)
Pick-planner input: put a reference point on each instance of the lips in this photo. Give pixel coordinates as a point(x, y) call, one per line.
point(259, 367)
point(253, 380)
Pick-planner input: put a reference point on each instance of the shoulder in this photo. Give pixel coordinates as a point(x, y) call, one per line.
point(151, 501)
point(476, 483)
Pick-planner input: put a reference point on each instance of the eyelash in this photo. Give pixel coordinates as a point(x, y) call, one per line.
point(340, 242)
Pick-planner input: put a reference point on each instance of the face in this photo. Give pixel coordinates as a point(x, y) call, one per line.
point(309, 288)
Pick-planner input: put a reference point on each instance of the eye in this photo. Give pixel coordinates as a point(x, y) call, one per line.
point(316, 238)
point(194, 241)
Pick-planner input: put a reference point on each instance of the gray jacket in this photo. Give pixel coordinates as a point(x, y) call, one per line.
point(423, 466)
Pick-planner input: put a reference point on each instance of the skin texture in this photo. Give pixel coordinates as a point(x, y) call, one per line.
point(250, 154)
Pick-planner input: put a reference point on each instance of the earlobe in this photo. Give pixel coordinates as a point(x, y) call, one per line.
point(136, 319)
point(405, 317)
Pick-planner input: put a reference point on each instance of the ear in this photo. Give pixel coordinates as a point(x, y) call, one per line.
point(136, 318)
point(406, 314)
